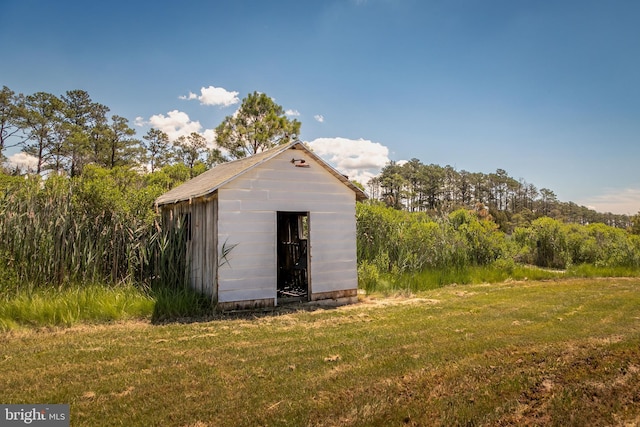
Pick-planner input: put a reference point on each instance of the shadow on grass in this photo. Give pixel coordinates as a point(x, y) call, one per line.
point(189, 306)
point(180, 305)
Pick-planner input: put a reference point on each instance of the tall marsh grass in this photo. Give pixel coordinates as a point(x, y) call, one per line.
point(60, 238)
point(53, 233)
point(50, 239)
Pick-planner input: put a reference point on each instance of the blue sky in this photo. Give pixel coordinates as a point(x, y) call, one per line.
point(547, 90)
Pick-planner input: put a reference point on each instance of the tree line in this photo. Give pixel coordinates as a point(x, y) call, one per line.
point(65, 133)
point(417, 187)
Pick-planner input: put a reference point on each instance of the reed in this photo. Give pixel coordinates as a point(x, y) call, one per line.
point(49, 240)
point(53, 233)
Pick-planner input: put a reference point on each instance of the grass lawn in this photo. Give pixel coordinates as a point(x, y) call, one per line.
point(564, 352)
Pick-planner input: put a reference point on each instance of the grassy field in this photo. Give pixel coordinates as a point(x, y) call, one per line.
point(561, 352)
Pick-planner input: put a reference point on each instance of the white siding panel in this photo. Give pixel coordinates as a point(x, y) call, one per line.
point(327, 280)
point(247, 273)
point(247, 193)
point(334, 285)
point(291, 174)
point(240, 216)
point(326, 275)
point(339, 266)
point(245, 294)
point(332, 246)
point(330, 256)
point(247, 226)
point(248, 252)
point(329, 220)
point(315, 185)
point(295, 202)
point(247, 282)
point(319, 198)
point(240, 262)
point(258, 273)
point(228, 205)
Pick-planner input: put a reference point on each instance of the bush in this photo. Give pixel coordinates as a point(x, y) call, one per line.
point(549, 243)
point(546, 243)
point(412, 242)
point(368, 276)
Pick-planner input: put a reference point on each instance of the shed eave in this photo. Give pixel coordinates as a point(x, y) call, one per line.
point(189, 199)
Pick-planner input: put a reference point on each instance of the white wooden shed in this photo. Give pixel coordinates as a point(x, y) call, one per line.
point(289, 218)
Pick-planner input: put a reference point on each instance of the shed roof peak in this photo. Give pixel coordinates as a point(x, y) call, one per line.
point(209, 181)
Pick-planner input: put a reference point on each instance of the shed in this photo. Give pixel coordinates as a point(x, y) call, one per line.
point(272, 228)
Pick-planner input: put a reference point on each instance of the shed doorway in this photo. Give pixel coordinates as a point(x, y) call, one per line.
point(293, 257)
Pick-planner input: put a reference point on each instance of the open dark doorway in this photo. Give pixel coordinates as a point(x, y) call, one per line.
point(292, 246)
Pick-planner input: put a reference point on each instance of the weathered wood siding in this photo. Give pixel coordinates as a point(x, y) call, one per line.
point(247, 209)
point(202, 248)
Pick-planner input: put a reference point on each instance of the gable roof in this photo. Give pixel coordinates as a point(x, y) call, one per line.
point(214, 178)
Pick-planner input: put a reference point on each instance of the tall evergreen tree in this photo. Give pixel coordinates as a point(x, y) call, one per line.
point(9, 118)
point(157, 150)
point(121, 148)
point(258, 125)
point(87, 123)
point(191, 149)
point(40, 119)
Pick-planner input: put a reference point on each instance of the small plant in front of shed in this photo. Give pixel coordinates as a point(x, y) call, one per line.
point(224, 253)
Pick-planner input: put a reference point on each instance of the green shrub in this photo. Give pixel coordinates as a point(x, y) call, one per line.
point(412, 242)
point(546, 242)
point(549, 243)
point(368, 276)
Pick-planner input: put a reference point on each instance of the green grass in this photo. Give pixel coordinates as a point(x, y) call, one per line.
point(29, 306)
point(589, 270)
point(172, 304)
point(37, 307)
point(391, 283)
point(558, 352)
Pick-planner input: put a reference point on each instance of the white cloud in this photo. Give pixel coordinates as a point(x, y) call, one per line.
point(175, 124)
point(210, 136)
point(319, 118)
point(22, 161)
point(139, 121)
point(360, 159)
point(618, 201)
point(189, 97)
point(292, 113)
point(214, 96)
